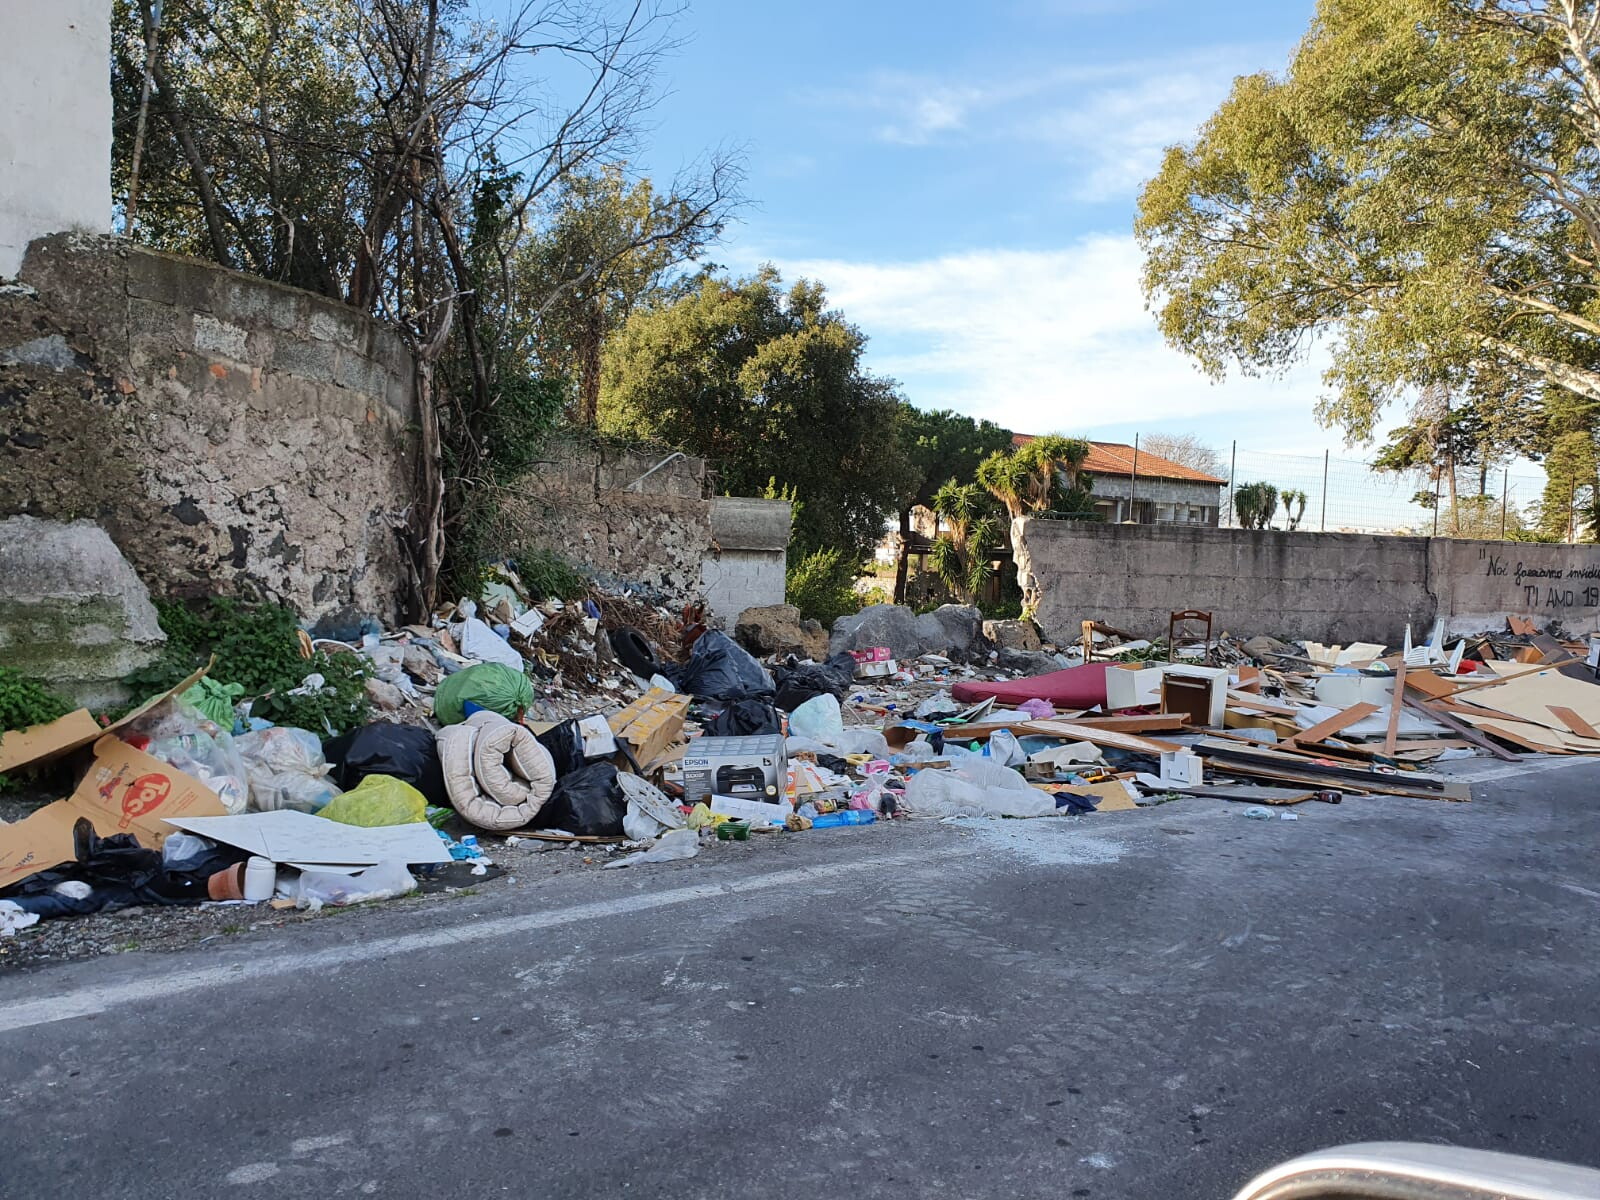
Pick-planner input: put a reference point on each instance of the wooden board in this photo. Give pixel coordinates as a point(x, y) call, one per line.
point(1529, 697)
point(1073, 731)
point(1466, 731)
point(1323, 730)
point(1250, 794)
point(1573, 721)
point(1255, 704)
point(1237, 759)
point(1136, 723)
point(1435, 687)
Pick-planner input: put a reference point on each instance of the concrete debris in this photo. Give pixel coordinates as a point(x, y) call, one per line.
point(778, 629)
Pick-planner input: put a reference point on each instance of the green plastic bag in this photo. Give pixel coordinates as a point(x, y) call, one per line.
point(377, 800)
point(488, 685)
point(215, 700)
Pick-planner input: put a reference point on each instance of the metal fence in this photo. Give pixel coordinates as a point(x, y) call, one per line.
point(1345, 495)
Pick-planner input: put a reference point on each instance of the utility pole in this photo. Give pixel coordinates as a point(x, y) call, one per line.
point(1505, 499)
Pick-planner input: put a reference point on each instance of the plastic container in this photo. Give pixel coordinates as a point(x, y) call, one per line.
point(260, 879)
point(853, 816)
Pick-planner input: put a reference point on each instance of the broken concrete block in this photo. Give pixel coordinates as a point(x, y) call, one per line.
point(73, 612)
point(385, 696)
point(778, 629)
point(1013, 635)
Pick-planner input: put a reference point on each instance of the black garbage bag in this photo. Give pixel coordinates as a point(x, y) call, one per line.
point(120, 873)
point(406, 752)
point(744, 718)
point(634, 651)
point(720, 669)
point(799, 683)
point(588, 802)
point(565, 744)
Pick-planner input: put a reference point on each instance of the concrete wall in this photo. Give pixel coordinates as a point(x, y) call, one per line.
point(55, 121)
point(645, 518)
point(745, 566)
point(231, 435)
point(1330, 587)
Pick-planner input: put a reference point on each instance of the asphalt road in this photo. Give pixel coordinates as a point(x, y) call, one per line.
point(1150, 1004)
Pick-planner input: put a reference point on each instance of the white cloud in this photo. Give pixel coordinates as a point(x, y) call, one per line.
point(1044, 341)
point(1104, 123)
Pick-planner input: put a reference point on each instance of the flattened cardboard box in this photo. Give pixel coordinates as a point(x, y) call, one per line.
point(124, 791)
point(38, 744)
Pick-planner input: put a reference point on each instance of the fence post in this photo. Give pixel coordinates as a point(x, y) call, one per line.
point(1325, 491)
point(1505, 499)
point(1133, 483)
point(1233, 470)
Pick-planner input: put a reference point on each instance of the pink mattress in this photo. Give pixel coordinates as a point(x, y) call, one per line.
point(1076, 687)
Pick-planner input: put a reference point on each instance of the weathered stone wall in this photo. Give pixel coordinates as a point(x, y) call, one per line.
point(1331, 587)
point(231, 434)
point(646, 518)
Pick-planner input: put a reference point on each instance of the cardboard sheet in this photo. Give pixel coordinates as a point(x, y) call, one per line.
point(125, 791)
point(296, 837)
point(1529, 697)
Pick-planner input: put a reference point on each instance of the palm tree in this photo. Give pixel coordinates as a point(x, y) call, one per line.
point(960, 554)
point(1025, 479)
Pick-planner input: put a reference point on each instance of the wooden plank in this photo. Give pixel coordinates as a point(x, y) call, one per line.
point(1250, 794)
point(1152, 722)
point(1323, 730)
point(1379, 784)
point(1434, 687)
point(1573, 721)
point(1256, 704)
point(1466, 732)
point(1520, 625)
point(1395, 706)
point(1105, 737)
point(1226, 755)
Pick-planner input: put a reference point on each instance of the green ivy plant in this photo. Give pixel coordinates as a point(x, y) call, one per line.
point(25, 702)
point(339, 705)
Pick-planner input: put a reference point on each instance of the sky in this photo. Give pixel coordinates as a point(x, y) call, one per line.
point(963, 178)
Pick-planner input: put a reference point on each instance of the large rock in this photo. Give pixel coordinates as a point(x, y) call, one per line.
point(72, 611)
point(955, 630)
point(778, 629)
point(1013, 635)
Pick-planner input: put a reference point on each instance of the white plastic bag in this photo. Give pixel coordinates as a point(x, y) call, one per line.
point(818, 718)
point(317, 888)
point(673, 846)
point(972, 791)
point(1005, 749)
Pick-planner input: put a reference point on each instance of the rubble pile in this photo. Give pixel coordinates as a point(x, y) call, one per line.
point(630, 730)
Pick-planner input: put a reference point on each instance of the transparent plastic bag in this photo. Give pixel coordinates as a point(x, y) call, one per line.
point(287, 770)
point(672, 846)
point(314, 889)
point(187, 740)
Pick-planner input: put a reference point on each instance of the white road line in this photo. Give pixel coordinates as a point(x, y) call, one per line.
point(164, 986)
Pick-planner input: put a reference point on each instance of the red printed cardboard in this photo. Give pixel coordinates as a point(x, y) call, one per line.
point(124, 791)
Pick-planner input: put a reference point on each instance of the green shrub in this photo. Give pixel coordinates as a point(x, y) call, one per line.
point(545, 574)
point(25, 701)
point(823, 585)
point(341, 704)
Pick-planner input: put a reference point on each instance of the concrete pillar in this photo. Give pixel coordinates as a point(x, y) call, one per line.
point(55, 121)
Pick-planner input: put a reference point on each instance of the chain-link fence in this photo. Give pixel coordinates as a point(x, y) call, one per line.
point(1344, 495)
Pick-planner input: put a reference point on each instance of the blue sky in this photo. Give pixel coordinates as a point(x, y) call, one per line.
point(962, 178)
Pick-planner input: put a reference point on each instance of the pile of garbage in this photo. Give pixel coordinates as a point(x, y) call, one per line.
point(635, 732)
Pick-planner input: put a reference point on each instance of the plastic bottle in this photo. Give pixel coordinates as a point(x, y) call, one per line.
point(260, 879)
point(851, 816)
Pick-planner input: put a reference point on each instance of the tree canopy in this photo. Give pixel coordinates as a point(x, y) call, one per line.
point(766, 383)
point(1420, 189)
